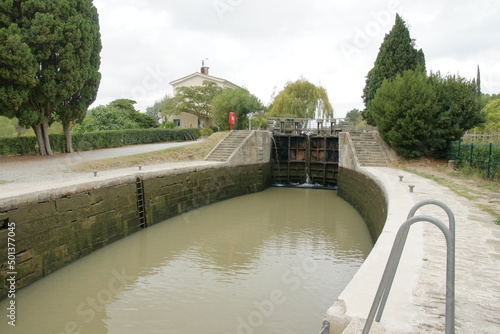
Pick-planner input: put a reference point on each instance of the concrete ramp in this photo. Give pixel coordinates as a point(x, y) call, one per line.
point(228, 145)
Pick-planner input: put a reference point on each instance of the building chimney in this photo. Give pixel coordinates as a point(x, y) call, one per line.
point(204, 69)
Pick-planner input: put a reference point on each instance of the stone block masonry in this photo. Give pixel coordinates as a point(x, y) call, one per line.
point(366, 196)
point(56, 227)
point(168, 194)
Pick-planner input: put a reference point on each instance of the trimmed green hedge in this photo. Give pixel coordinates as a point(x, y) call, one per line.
point(95, 140)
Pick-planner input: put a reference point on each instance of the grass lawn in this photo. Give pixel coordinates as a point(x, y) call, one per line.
point(484, 193)
point(191, 152)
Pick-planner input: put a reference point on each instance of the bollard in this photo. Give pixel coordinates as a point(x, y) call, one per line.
point(95, 173)
point(411, 188)
point(401, 178)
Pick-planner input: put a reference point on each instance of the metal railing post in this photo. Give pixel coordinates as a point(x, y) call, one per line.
point(326, 328)
point(395, 256)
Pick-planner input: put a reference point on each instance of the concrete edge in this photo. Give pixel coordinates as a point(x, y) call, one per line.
point(242, 144)
point(46, 195)
point(353, 305)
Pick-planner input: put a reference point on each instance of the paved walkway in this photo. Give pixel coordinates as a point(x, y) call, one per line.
point(23, 174)
point(417, 300)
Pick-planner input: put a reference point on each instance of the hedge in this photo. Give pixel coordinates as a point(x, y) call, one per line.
point(94, 140)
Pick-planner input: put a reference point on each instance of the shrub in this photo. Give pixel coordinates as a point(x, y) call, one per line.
point(206, 132)
point(102, 139)
point(419, 115)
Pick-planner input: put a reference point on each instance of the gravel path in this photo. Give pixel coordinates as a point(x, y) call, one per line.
point(22, 174)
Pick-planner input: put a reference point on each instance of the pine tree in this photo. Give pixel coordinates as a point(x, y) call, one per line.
point(396, 55)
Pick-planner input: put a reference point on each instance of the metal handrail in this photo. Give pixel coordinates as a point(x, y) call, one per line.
point(326, 328)
point(395, 256)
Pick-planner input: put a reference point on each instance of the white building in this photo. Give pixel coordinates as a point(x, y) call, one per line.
point(190, 120)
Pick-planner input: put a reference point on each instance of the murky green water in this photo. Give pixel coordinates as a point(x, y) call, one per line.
point(271, 262)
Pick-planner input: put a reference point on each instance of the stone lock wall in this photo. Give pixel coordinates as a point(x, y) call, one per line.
point(366, 196)
point(55, 227)
point(172, 193)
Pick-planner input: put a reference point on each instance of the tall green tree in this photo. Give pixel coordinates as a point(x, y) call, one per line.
point(126, 106)
point(59, 41)
point(17, 66)
point(239, 101)
point(117, 115)
point(419, 115)
point(396, 55)
point(155, 110)
point(86, 61)
point(301, 99)
point(353, 116)
point(492, 116)
point(196, 100)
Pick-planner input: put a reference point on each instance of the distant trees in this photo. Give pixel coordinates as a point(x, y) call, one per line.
point(155, 111)
point(492, 116)
point(419, 114)
point(239, 101)
point(301, 99)
point(49, 60)
point(396, 55)
point(117, 115)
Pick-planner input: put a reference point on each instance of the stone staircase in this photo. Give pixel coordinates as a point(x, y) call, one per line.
point(228, 145)
point(368, 150)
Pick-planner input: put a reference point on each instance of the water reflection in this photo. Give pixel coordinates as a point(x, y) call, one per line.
point(270, 262)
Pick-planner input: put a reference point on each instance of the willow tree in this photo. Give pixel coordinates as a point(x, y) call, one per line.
point(61, 42)
point(301, 99)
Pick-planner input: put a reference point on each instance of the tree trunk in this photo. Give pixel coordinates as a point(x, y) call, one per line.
point(39, 138)
point(67, 136)
point(45, 133)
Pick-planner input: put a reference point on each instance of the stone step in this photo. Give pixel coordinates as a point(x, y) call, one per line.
point(368, 150)
point(228, 145)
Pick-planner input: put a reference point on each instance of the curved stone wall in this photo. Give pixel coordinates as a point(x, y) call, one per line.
point(56, 227)
point(366, 196)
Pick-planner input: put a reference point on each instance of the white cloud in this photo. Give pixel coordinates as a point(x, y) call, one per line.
point(262, 44)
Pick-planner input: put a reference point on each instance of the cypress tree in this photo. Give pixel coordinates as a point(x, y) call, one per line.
point(396, 55)
point(52, 71)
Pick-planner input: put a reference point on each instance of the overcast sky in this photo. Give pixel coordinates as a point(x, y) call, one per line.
point(263, 44)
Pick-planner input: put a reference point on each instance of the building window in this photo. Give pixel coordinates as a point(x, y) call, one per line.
point(177, 122)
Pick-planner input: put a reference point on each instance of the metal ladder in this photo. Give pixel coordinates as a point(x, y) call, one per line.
point(395, 256)
point(139, 184)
